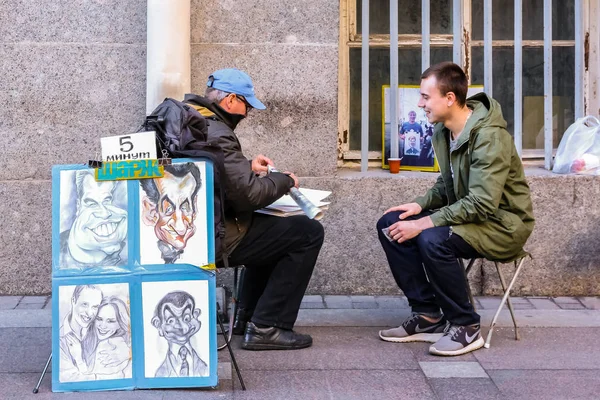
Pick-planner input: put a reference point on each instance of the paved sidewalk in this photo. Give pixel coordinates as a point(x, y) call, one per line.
point(557, 357)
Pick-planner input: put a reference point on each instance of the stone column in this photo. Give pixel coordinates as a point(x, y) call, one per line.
point(168, 51)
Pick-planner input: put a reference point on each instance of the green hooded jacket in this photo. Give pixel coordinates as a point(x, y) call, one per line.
point(488, 201)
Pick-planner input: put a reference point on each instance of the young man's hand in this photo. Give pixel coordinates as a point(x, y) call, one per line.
point(260, 163)
point(409, 209)
point(402, 231)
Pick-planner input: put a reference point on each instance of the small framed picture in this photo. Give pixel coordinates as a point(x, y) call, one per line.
point(414, 131)
point(178, 321)
point(92, 334)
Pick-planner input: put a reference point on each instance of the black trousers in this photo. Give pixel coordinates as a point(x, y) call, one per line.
point(441, 283)
point(279, 255)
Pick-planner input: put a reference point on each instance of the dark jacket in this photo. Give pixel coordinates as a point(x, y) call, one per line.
point(488, 201)
point(244, 190)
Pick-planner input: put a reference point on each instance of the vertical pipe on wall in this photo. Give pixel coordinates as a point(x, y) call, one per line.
point(364, 116)
point(487, 47)
point(168, 66)
point(393, 78)
point(425, 34)
point(579, 54)
point(548, 126)
point(457, 28)
point(519, 76)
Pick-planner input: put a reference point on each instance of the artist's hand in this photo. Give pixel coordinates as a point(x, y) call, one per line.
point(259, 164)
point(291, 175)
point(402, 231)
point(409, 209)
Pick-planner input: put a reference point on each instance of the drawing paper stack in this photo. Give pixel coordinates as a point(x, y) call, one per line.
point(286, 206)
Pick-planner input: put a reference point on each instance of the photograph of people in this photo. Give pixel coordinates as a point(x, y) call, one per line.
point(93, 221)
point(95, 336)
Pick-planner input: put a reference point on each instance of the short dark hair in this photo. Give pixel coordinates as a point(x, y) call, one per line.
point(450, 78)
point(178, 170)
point(177, 298)
point(79, 289)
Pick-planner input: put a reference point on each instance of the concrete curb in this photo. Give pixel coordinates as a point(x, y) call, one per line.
point(362, 317)
point(383, 317)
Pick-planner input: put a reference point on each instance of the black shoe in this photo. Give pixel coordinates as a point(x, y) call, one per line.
point(273, 338)
point(242, 317)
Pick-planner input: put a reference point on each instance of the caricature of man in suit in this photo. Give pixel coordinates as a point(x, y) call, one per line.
point(176, 319)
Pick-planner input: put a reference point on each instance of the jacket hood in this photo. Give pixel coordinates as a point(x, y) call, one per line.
point(209, 109)
point(486, 113)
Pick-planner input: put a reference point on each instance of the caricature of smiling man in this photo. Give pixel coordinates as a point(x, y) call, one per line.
point(170, 206)
point(176, 319)
point(99, 230)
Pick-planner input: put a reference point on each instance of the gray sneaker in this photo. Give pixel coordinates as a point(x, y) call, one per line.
point(458, 340)
point(415, 329)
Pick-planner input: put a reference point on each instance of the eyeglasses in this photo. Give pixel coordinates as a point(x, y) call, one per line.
point(243, 99)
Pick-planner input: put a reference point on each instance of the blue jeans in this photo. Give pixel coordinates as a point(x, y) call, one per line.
point(427, 270)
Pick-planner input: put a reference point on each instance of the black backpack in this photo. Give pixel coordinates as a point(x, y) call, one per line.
point(182, 132)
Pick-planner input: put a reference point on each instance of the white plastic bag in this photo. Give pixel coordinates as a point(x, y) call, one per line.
point(579, 149)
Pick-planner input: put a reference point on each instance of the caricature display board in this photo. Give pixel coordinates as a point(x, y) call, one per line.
point(133, 302)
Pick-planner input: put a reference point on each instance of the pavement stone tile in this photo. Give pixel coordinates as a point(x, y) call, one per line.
point(20, 386)
point(29, 306)
point(592, 303)
point(312, 305)
point(548, 347)
point(489, 302)
point(566, 300)
point(363, 305)
point(335, 385)
point(363, 299)
point(24, 349)
point(344, 348)
point(544, 304)
point(521, 306)
point(519, 300)
point(420, 351)
point(312, 299)
point(34, 300)
point(545, 384)
point(391, 302)
point(452, 369)
point(337, 301)
point(572, 306)
point(465, 388)
point(9, 302)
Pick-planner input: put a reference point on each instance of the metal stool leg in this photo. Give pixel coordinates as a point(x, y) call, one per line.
point(508, 301)
point(37, 387)
point(233, 311)
point(228, 344)
point(506, 293)
point(466, 274)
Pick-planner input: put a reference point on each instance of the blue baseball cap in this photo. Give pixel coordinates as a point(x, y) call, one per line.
point(233, 80)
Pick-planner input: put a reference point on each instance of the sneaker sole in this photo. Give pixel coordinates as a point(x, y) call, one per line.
point(417, 337)
point(473, 346)
point(268, 346)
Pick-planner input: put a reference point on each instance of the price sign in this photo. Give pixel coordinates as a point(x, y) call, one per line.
point(136, 146)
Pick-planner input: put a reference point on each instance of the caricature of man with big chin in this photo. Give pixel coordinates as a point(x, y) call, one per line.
point(99, 230)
